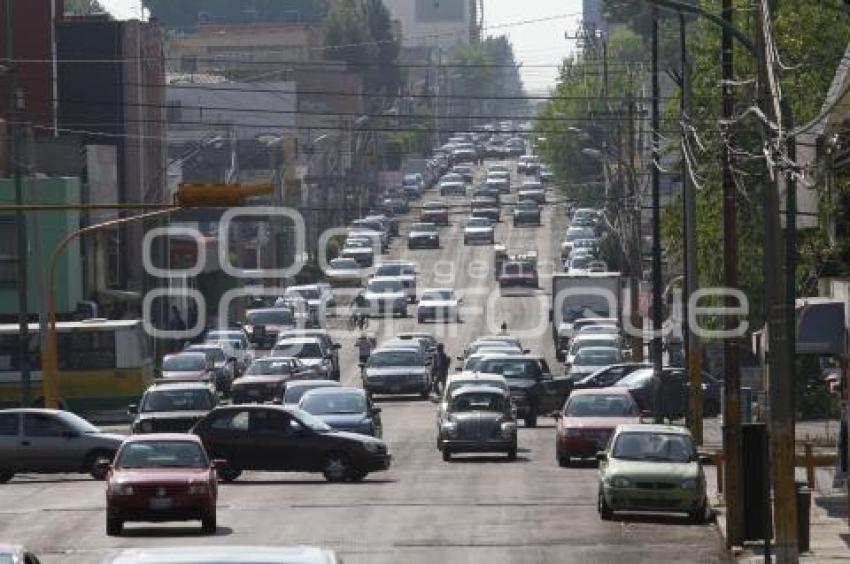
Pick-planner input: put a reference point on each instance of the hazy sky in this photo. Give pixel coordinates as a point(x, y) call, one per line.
point(536, 43)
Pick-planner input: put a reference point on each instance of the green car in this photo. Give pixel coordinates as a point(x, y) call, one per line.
point(652, 468)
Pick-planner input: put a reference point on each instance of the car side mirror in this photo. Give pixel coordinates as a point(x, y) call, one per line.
point(376, 410)
point(601, 456)
point(218, 463)
point(132, 409)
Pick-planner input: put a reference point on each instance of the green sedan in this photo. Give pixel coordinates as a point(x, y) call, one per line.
point(651, 468)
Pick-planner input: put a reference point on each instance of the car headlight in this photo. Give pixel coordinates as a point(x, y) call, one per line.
point(691, 485)
point(120, 489)
point(619, 482)
point(372, 447)
point(199, 488)
point(450, 428)
point(508, 429)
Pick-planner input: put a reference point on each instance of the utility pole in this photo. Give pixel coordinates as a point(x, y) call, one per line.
point(656, 348)
point(14, 128)
point(693, 355)
point(636, 248)
point(732, 378)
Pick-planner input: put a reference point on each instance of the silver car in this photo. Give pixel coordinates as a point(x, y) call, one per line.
point(478, 419)
point(51, 441)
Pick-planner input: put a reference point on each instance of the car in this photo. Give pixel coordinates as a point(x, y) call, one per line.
point(429, 339)
point(52, 441)
point(423, 235)
point(195, 366)
point(599, 329)
point(590, 359)
point(344, 272)
point(534, 191)
point(515, 147)
point(396, 205)
point(224, 367)
point(385, 295)
point(578, 265)
point(527, 212)
point(464, 156)
point(575, 233)
point(312, 351)
point(470, 363)
point(221, 554)
point(403, 270)
point(279, 439)
point(499, 168)
point(485, 206)
point(15, 554)
point(456, 381)
point(546, 175)
point(587, 420)
point(478, 419)
point(435, 212)
point(414, 179)
point(535, 391)
point(327, 340)
point(518, 273)
point(452, 188)
point(491, 341)
point(264, 324)
point(652, 468)
point(373, 229)
point(360, 249)
point(488, 191)
point(478, 230)
point(673, 392)
point(438, 304)
point(397, 370)
point(295, 390)
point(344, 409)
point(171, 407)
point(528, 164)
point(237, 345)
point(580, 341)
point(265, 380)
point(158, 478)
point(464, 170)
point(501, 184)
point(319, 298)
point(609, 375)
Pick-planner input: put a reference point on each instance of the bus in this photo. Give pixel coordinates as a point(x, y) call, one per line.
point(104, 365)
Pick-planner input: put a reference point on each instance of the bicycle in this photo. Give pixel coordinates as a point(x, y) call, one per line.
point(358, 321)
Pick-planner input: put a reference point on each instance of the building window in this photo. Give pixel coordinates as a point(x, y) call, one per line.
point(8, 251)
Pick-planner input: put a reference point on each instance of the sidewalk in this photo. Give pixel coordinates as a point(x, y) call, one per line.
point(829, 533)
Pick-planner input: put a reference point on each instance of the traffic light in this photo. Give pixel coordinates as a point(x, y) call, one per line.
point(220, 195)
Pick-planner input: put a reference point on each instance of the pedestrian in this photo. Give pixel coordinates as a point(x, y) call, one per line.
point(441, 369)
point(504, 328)
point(364, 345)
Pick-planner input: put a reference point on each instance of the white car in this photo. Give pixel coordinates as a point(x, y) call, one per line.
point(311, 351)
point(438, 304)
point(478, 230)
point(236, 345)
point(344, 272)
point(491, 341)
point(385, 295)
point(404, 271)
point(592, 340)
point(360, 249)
point(590, 359)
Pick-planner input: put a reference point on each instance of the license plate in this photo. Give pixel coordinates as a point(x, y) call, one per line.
point(160, 503)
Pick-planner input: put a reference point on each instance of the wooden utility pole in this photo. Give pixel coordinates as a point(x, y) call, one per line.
point(656, 345)
point(635, 247)
point(732, 377)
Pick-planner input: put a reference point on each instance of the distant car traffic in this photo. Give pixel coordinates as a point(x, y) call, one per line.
point(435, 212)
point(263, 325)
point(197, 366)
point(518, 273)
point(312, 352)
point(158, 478)
point(266, 378)
point(478, 419)
point(590, 359)
point(404, 270)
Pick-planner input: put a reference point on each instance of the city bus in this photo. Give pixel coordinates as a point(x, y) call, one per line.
point(104, 365)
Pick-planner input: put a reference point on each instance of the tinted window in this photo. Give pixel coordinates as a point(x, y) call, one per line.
point(263, 367)
point(164, 454)
point(636, 379)
point(277, 317)
point(270, 421)
point(655, 447)
point(511, 368)
point(231, 421)
point(9, 424)
point(295, 393)
point(335, 403)
point(481, 401)
point(177, 400)
point(184, 362)
point(609, 405)
point(385, 286)
point(395, 358)
point(41, 425)
point(299, 350)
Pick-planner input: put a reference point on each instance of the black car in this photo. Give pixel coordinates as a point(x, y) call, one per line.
point(674, 392)
point(279, 439)
point(172, 407)
point(534, 390)
point(608, 376)
point(527, 212)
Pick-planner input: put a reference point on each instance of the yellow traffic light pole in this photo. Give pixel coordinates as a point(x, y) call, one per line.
point(188, 195)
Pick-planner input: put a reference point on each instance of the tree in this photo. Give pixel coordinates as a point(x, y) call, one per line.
point(83, 7)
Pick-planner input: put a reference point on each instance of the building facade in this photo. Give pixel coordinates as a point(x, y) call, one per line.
point(443, 24)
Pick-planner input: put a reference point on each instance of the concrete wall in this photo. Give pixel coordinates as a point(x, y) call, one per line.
point(44, 232)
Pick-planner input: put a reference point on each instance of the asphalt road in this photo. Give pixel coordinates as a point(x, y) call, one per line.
point(424, 510)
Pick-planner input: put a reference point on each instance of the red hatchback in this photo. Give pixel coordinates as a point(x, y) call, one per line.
point(161, 477)
point(588, 419)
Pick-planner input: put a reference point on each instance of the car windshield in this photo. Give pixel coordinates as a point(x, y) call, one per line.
point(518, 268)
point(636, 379)
point(596, 357)
point(526, 206)
point(162, 454)
point(271, 317)
point(312, 422)
point(511, 367)
point(269, 367)
point(336, 403)
point(590, 306)
point(384, 286)
point(478, 222)
point(215, 353)
point(294, 394)
point(654, 447)
point(343, 264)
point(305, 293)
point(184, 362)
point(394, 270)
point(214, 336)
point(478, 401)
point(358, 244)
point(298, 350)
point(77, 423)
point(177, 400)
point(599, 405)
point(436, 295)
point(395, 358)
point(427, 227)
point(580, 262)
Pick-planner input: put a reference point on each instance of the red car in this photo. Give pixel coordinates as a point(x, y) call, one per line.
point(588, 419)
point(518, 273)
point(162, 477)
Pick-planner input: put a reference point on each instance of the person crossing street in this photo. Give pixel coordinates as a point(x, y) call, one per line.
point(441, 369)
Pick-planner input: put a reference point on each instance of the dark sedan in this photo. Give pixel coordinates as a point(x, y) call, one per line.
point(279, 439)
point(608, 376)
point(478, 419)
point(673, 392)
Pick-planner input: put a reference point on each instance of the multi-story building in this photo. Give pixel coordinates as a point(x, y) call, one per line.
point(443, 24)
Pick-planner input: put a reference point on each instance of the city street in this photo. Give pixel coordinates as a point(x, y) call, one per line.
point(424, 510)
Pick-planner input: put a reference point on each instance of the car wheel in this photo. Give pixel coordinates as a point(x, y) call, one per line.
point(531, 419)
point(425, 394)
point(447, 455)
point(358, 475)
point(605, 512)
point(337, 467)
point(420, 319)
point(114, 526)
point(512, 455)
point(5, 476)
point(97, 463)
point(698, 516)
point(563, 460)
point(228, 473)
point(208, 523)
